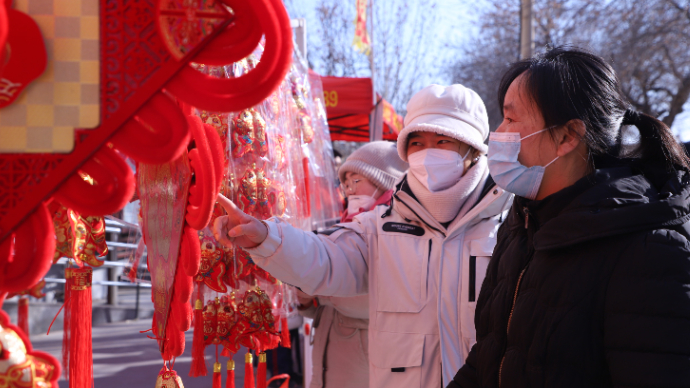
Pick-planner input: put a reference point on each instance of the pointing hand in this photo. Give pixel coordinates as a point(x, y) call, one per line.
point(237, 228)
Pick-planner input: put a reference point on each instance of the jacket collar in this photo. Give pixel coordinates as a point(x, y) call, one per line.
point(492, 202)
point(610, 201)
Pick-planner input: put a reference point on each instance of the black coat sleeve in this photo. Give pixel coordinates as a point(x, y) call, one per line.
point(647, 313)
point(467, 375)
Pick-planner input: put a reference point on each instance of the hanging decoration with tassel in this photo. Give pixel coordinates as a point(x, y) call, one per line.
point(35, 291)
point(23, 314)
point(261, 372)
point(78, 307)
point(216, 375)
point(168, 378)
point(249, 371)
point(198, 367)
point(230, 378)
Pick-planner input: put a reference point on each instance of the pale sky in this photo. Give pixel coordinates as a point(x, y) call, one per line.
point(454, 27)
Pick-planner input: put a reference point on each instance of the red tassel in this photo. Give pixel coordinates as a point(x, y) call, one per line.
point(23, 315)
point(80, 354)
point(230, 378)
point(261, 372)
point(284, 333)
point(216, 375)
point(66, 324)
point(198, 367)
point(248, 371)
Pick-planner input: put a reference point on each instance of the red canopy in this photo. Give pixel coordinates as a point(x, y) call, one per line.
point(348, 105)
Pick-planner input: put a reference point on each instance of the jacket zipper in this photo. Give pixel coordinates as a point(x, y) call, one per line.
point(428, 265)
point(526, 211)
point(510, 317)
point(472, 290)
point(515, 295)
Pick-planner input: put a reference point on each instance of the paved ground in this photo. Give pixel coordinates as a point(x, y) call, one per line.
point(123, 357)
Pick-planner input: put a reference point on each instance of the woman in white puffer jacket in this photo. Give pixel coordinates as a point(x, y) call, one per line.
point(422, 260)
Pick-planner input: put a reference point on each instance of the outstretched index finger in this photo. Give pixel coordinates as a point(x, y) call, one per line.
point(229, 206)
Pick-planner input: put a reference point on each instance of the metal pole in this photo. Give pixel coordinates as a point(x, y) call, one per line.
point(373, 122)
point(136, 308)
point(112, 273)
point(526, 29)
point(371, 51)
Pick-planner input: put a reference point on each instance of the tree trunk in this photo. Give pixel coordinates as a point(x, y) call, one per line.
point(679, 99)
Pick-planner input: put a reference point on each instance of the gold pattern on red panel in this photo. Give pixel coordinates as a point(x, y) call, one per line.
point(210, 318)
point(88, 238)
point(212, 266)
point(243, 136)
point(247, 191)
point(77, 237)
point(260, 133)
point(23, 370)
point(257, 309)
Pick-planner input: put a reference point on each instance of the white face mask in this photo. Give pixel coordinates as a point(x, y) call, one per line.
point(360, 203)
point(437, 169)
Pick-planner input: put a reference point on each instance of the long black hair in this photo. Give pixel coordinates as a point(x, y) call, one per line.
point(569, 83)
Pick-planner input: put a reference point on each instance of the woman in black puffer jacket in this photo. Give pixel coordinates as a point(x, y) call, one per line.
point(589, 283)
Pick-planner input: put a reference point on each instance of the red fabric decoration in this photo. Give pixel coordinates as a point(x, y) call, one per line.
point(216, 375)
point(4, 28)
point(256, 308)
point(248, 371)
point(237, 41)
point(112, 189)
point(285, 383)
point(261, 372)
point(284, 333)
point(212, 268)
point(183, 286)
point(190, 251)
point(243, 136)
point(42, 369)
point(173, 345)
point(204, 190)
point(66, 324)
point(79, 305)
point(198, 367)
point(26, 258)
point(210, 319)
point(27, 59)
point(158, 133)
point(23, 315)
point(215, 144)
point(228, 95)
point(181, 314)
point(230, 378)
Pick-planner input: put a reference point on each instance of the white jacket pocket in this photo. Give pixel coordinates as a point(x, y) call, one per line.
point(397, 359)
point(402, 264)
point(474, 272)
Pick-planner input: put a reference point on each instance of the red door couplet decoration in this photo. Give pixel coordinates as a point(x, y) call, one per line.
point(163, 189)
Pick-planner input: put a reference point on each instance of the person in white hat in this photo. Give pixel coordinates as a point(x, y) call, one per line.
point(340, 352)
point(421, 260)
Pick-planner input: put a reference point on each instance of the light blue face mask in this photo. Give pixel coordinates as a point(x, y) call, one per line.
point(505, 169)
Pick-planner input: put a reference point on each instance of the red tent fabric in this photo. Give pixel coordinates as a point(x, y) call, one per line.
point(348, 105)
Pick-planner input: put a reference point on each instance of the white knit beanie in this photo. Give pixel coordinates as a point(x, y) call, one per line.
point(454, 111)
point(377, 161)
